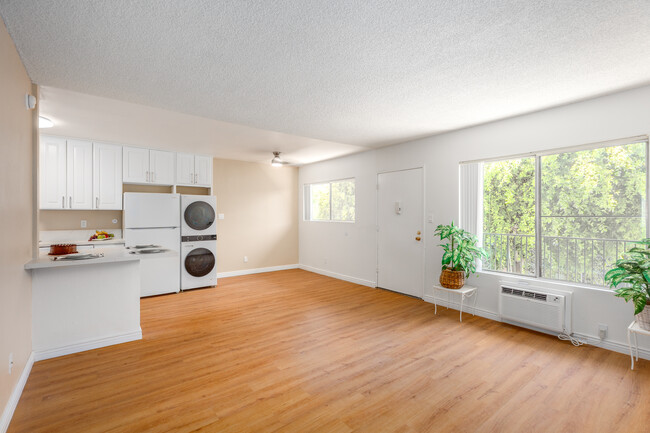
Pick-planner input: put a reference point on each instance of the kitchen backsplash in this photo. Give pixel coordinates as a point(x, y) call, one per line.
point(71, 220)
point(49, 236)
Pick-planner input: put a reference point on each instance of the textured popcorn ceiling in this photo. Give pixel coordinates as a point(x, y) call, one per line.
point(363, 73)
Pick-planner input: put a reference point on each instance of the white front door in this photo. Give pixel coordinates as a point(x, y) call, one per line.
point(400, 218)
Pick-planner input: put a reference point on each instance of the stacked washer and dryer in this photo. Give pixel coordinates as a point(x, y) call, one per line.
point(198, 241)
point(163, 229)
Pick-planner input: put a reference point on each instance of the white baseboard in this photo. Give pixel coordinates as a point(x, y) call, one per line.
point(611, 345)
point(339, 276)
point(10, 407)
point(255, 271)
point(466, 308)
point(587, 339)
point(88, 345)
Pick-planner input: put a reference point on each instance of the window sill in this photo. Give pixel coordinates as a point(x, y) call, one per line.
point(532, 281)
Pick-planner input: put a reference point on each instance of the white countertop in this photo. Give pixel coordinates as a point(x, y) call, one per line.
point(110, 256)
point(96, 244)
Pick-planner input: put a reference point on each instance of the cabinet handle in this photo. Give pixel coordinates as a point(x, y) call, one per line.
point(96, 202)
point(70, 202)
point(195, 176)
point(62, 202)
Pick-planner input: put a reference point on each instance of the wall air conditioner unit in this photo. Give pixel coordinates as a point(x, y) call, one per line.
point(536, 308)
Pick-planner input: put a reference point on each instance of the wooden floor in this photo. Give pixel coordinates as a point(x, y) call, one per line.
point(295, 351)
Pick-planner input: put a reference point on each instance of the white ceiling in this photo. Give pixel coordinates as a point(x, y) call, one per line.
point(364, 73)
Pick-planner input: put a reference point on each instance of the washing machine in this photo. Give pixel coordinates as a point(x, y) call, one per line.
point(198, 241)
point(198, 261)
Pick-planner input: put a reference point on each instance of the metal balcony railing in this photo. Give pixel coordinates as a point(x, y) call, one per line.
point(580, 260)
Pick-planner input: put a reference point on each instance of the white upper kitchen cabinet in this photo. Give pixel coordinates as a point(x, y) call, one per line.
point(161, 167)
point(52, 170)
point(135, 166)
point(193, 170)
point(184, 168)
point(107, 176)
point(148, 166)
point(203, 170)
point(79, 170)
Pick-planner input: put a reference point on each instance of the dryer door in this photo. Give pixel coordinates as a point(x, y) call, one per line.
point(199, 262)
point(199, 215)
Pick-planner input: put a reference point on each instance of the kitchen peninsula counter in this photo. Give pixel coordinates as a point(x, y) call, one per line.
point(84, 304)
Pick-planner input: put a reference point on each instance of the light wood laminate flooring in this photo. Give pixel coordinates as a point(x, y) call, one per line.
point(295, 351)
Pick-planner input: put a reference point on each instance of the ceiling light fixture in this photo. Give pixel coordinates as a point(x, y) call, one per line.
point(277, 161)
point(44, 122)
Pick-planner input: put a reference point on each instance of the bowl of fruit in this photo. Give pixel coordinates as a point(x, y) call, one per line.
point(101, 235)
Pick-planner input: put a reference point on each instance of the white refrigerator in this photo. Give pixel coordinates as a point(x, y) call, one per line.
point(152, 231)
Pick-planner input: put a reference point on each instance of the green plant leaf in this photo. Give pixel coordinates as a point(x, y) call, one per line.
point(640, 302)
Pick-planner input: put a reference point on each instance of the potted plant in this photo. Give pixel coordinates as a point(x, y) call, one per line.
point(459, 258)
point(633, 273)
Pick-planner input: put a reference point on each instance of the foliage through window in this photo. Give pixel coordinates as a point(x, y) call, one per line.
point(591, 204)
point(330, 201)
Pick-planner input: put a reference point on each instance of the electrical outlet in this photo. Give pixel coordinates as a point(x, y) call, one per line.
point(431, 218)
point(245, 259)
point(84, 224)
point(11, 362)
point(221, 216)
point(602, 331)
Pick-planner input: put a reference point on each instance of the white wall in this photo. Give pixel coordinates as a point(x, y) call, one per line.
point(349, 250)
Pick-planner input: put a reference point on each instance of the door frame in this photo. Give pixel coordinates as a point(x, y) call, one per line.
point(424, 223)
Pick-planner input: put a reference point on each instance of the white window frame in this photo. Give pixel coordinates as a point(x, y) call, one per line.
point(464, 191)
point(307, 201)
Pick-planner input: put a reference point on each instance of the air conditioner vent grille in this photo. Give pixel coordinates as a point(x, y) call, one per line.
point(524, 293)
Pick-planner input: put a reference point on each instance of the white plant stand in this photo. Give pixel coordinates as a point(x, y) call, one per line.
point(632, 332)
point(464, 292)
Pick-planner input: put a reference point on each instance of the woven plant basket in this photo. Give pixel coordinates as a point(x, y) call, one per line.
point(643, 318)
point(452, 279)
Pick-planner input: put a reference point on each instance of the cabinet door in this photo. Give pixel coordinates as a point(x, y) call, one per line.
point(184, 169)
point(52, 172)
point(162, 167)
point(203, 170)
point(79, 169)
point(135, 165)
point(107, 176)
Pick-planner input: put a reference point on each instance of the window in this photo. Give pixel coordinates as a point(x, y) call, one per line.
point(509, 215)
point(330, 201)
point(591, 204)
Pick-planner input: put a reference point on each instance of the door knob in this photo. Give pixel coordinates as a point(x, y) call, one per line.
point(417, 238)
point(419, 232)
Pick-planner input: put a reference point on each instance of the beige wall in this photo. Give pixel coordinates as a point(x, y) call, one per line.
point(260, 205)
point(71, 219)
point(16, 202)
